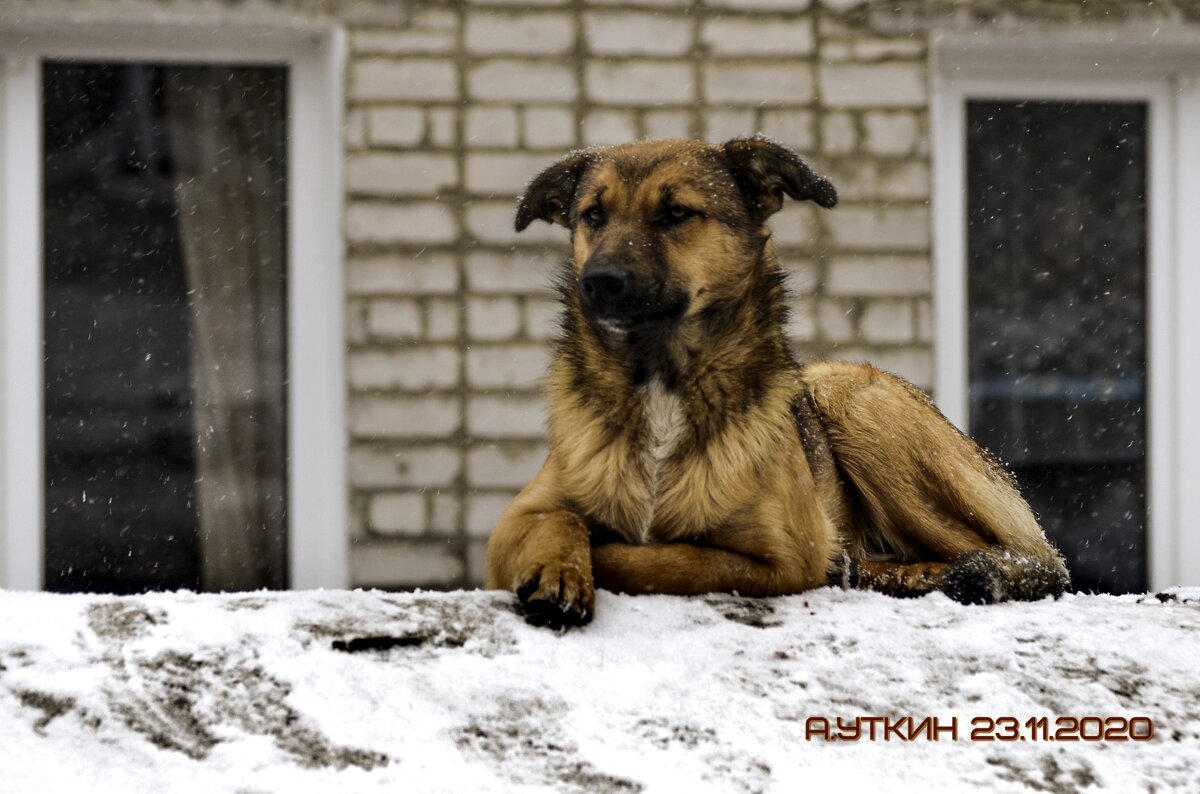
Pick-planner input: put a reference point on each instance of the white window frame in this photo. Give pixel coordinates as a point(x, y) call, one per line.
point(1165, 74)
point(317, 516)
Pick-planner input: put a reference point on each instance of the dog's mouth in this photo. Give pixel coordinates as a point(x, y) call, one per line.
point(621, 326)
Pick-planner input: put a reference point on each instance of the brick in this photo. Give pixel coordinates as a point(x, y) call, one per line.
point(864, 178)
point(761, 5)
point(443, 126)
point(911, 363)
point(418, 222)
point(924, 321)
point(890, 133)
point(504, 466)
point(542, 318)
point(397, 514)
point(441, 319)
point(757, 37)
point(492, 222)
point(356, 322)
point(867, 229)
point(835, 318)
point(506, 416)
point(430, 563)
point(802, 275)
point(549, 128)
point(508, 273)
point(515, 80)
point(517, 366)
point(503, 173)
point(492, 126)
point(792, 127)
point(354, 130)
point(667, 123)
point(373, 80)
point(421, 274)
point(445, 510)
point(476, 563)
point(879, 49)
point(640, 83)
point(878, 275)
point(402, 42)
point(909, 180)
point(493, 318)
point(484, 511)
point(647, 3)
point(637, 33)
point(802, 321)
point(404, 126)
point(416, 368)
point(744, 84)
point(873, 85)
point(838, 135)
point(433, 18)
point(401, 174)
point(721, 125)
point(886, 320)
point(403, 417)
point(523, 33)
point(795, 224)
point(428, 466)
point(398, 318)
point(526, 3)
point(607, 127)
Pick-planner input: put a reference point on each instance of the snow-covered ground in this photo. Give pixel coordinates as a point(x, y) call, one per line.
point(426, 692)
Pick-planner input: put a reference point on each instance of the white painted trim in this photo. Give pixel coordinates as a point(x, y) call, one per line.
point(317, 489)
point(1186, 419)
point(1084, 69)
point(947, 128)
point(20, 324)
point(318, 515)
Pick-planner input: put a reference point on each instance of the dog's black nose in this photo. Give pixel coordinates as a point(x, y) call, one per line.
point(603, 286)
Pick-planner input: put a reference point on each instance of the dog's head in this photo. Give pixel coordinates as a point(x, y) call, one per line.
point(663, 229)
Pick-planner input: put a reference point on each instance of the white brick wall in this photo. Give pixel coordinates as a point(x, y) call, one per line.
point(450, 312)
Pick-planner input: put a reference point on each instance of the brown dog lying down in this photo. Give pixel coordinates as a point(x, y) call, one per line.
point(691, 453)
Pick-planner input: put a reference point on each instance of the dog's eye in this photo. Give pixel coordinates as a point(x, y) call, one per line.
point(675, 215)
point(593, 216)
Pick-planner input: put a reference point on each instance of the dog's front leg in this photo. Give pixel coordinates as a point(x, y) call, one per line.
point(542, 553)
point(686, 569)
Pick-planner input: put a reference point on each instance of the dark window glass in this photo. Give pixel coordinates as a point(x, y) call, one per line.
point(1056, 197)
point(164, 322)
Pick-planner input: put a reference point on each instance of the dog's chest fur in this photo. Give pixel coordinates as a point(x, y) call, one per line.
point(657, 436)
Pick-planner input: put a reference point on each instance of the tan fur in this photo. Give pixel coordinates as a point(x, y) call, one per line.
point(706, 459)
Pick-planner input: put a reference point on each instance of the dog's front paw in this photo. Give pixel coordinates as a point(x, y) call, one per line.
point(557, 595)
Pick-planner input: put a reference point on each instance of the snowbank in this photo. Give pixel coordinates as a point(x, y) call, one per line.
point(367, 691)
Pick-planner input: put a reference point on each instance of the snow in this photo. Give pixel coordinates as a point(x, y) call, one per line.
point(432, 692)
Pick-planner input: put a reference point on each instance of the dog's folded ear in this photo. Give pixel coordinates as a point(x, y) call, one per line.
point(766, 170)
point(548, 197)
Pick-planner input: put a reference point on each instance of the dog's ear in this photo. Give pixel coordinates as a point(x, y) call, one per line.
point(548, 197)
point(766, 170)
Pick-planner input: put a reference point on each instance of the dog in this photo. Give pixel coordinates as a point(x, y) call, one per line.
point(691, 453)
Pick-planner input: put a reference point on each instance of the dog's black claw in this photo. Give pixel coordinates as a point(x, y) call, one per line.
point(551, 614)
point(526, 590)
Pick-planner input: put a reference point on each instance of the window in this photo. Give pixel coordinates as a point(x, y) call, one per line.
point(1065, 265)
point(172, 341)
point(1056, 320)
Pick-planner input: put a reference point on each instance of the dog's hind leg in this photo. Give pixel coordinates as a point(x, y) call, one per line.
point(930, 493)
